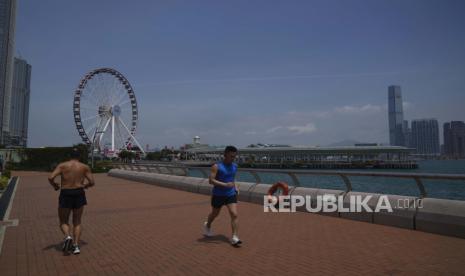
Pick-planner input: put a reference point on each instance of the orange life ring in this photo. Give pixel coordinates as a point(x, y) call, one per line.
point(278, 185)
point(282, 185)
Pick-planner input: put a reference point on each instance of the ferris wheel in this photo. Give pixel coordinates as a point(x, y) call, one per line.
point(105, 111)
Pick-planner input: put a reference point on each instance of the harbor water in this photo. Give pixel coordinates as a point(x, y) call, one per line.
point(435, 188)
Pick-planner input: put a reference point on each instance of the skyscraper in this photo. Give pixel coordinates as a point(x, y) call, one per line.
point(19, 112)
point(425, 136)
point(7, 31)
point(396, 116)
point(407, 134)
point(454, 139)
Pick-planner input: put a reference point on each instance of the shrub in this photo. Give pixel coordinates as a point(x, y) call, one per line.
point(3, 182)
point(101, 167)
point(6, 173)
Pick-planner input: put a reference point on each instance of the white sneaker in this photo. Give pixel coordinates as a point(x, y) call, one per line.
point(76, 250)
point(207, 231)
point(235, 240)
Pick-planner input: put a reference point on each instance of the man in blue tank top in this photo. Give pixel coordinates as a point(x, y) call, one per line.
point(224, 192)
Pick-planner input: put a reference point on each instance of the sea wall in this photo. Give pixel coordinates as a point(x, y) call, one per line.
point(440, 216)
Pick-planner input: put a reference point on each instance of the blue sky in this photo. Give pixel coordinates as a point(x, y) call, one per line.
point(241, 72)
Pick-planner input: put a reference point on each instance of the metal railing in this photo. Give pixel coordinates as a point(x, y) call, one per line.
point(294, 174)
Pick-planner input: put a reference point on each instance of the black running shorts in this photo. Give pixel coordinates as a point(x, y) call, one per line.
point(218, 201)
point(72, 198)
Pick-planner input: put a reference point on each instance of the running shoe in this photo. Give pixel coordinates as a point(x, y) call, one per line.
point(207, 231)
point(67, 244)
point(235, 240)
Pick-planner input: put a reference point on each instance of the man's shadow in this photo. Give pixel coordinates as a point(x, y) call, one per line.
point(215, 239)
point(59, 247)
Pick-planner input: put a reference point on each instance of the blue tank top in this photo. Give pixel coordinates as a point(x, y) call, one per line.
point(226, 173)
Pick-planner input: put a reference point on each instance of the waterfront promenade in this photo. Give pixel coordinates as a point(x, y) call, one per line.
point(132, 228)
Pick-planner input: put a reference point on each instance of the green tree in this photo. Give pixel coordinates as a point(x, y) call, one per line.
point(126, 155)
point(153, 155)
point(46, 159)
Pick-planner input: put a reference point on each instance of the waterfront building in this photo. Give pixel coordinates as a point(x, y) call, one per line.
point(311, 157)
point(396, 116)
point(407, 134)
point(7, 34)
point(425, 137)
point(19, 113)
point(454, 139)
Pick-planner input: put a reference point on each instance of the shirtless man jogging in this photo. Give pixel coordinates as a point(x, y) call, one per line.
point(72, 197)
point(224, 192)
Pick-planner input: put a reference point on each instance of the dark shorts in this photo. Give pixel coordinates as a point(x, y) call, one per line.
point(218, 201)
point(72, 198)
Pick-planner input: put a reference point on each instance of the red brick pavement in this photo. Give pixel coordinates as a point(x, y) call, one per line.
point(132, 228)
